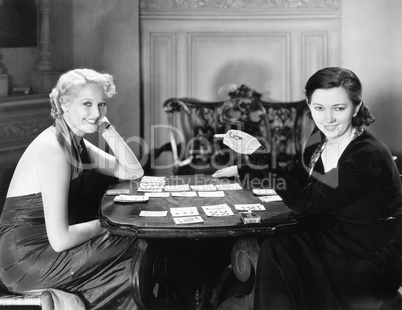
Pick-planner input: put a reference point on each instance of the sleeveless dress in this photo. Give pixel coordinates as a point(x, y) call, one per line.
point(98, 270)
point(347, 252)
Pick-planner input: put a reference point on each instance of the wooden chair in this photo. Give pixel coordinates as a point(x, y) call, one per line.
point(281, 127)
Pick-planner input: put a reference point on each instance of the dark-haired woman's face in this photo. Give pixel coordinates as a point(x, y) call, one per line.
point(332, 112)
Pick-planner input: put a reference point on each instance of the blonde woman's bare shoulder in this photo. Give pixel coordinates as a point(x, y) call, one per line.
point(42, 156)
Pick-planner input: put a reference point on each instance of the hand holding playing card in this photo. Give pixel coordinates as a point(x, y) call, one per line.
point(241, 142)
point(226, 172)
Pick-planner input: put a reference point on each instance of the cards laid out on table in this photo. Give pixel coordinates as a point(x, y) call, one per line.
point(184, 211)
point(251, 207)
point(177, 188)
point(211, 194)
point(188, 220)
point(153, 213)
point(184, 194)
point(228, 187)
point(264, 191)
point(218, 210)
point(131, 198)
point(270, 198)
point(204, 187)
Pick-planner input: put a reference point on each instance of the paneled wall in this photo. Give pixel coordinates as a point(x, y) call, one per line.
point(202, 49)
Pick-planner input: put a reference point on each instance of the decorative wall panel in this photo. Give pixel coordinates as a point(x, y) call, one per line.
point(161, 80)
point(220, 60)
point(202, 49)
point(315, 52)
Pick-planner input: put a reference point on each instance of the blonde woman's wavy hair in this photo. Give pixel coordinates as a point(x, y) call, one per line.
point(74, 80)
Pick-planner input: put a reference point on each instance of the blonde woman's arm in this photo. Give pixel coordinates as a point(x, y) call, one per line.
point(123, 164)
point(53, 171)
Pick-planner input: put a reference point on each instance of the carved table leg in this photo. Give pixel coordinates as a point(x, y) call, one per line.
point(149, 267)
point(244, 263)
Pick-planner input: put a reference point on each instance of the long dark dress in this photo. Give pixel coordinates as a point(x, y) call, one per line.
point(98, 271)
point(347, 253)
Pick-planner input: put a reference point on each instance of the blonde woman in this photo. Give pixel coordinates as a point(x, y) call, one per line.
point(49, 234)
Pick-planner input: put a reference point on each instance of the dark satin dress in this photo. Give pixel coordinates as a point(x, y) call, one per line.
point(98, 271)
point(347, 252)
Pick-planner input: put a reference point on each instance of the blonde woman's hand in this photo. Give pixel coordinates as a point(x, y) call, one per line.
point(104, 124)
point(227, 172)
point(241, 142)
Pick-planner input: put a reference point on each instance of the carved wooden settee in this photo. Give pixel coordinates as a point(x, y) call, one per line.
point(282, 127)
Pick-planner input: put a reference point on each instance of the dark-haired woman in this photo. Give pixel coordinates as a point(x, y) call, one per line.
point(347, 190)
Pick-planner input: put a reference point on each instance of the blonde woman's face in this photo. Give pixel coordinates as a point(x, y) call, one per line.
point(84, 113)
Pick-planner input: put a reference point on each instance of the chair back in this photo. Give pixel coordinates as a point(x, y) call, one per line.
point(282, 127)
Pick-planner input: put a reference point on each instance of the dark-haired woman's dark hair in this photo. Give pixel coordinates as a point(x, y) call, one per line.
point(334, 77)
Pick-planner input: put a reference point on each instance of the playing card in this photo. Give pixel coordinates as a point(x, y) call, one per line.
point(184, 194)
point(188, 220)
point(270, 198)
point(228, 187)
point(117, 191)
point(205, 187)
point(184, 211)
point(150, 189)
point(218, 210)
point(153, 213)
point(177, 188)
point(130, 198)
point(252, 207)
point(264, 191)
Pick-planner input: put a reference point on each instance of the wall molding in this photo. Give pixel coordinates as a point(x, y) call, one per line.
point(239, 7)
